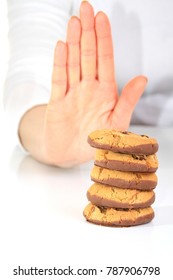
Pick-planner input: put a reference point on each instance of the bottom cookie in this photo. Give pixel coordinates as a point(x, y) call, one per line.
point(117, 217)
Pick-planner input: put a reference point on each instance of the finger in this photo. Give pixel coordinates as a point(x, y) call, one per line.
point(129, 97)
point(105, 55)
point(73, 60)
point(88, 42)
point(59, 75)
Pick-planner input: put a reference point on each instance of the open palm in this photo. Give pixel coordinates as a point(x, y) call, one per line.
point(84, 93)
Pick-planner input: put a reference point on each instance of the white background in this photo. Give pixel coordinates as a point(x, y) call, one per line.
point(3, 43)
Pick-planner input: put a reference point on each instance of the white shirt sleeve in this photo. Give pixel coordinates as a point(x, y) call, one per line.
point(34, 28)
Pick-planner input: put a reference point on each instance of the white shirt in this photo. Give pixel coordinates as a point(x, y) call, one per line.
point(143, 44)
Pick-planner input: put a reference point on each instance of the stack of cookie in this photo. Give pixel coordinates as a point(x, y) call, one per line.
point(124, 176)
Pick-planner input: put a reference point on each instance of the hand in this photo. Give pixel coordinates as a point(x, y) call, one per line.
point(84, 94)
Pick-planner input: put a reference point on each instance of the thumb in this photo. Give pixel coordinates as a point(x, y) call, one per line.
point(128, 99)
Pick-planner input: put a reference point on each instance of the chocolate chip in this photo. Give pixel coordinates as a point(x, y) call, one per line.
point(139, 157)
point(124, 132)
point(102, 209)
point(142, 135)
point(122, 209)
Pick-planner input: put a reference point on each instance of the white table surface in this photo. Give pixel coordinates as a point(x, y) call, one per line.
point(42, 223)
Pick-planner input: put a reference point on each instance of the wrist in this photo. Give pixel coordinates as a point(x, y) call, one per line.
point(31, 131)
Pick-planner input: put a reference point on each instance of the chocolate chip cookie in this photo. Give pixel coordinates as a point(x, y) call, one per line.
point(126, 162)
point(132, 180)
point(108, 196)
point(117, 217)
point(123, 142)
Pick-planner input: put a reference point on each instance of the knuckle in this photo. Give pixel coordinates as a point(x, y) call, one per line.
point(106, 56)
point(88, 52)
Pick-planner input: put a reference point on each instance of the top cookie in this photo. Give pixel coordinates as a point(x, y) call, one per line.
point(123, 142)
